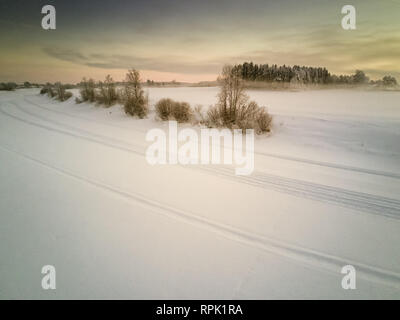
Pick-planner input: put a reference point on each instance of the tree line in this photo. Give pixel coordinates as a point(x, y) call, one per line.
point(11, 86)
point(296, 74)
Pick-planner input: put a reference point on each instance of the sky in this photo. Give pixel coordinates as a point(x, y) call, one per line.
point(190, 41)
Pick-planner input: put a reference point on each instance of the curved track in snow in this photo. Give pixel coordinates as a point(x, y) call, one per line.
point(315, 258)
point(267, 244)
point(373, 204)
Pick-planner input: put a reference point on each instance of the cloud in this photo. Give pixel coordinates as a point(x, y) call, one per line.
point(66, 55)
point(177, 64)
point(164, 63)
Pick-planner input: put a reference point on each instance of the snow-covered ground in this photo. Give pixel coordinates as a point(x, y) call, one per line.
point(76, 192)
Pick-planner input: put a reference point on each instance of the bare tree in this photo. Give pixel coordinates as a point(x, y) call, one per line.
point(233, 109)
point(107, 92)
point(232, 95)
point(87, 91)
point(61, 93)
point(135, 102)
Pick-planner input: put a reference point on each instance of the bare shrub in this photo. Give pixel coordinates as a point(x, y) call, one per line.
point(121, 96)
point(215, 117)
point(61, 92)
point(169, 109)
point(8, 86)
point(87, 91)
point(51, 92)
point(164, 108)
point(182, 112)
point(107, 93)
point(45, 89)
point(199, 117)
point(135, 101)
point(264, 121)
point(68, 95)
point(100, 93)
point(246, 115)
point(251, 116)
